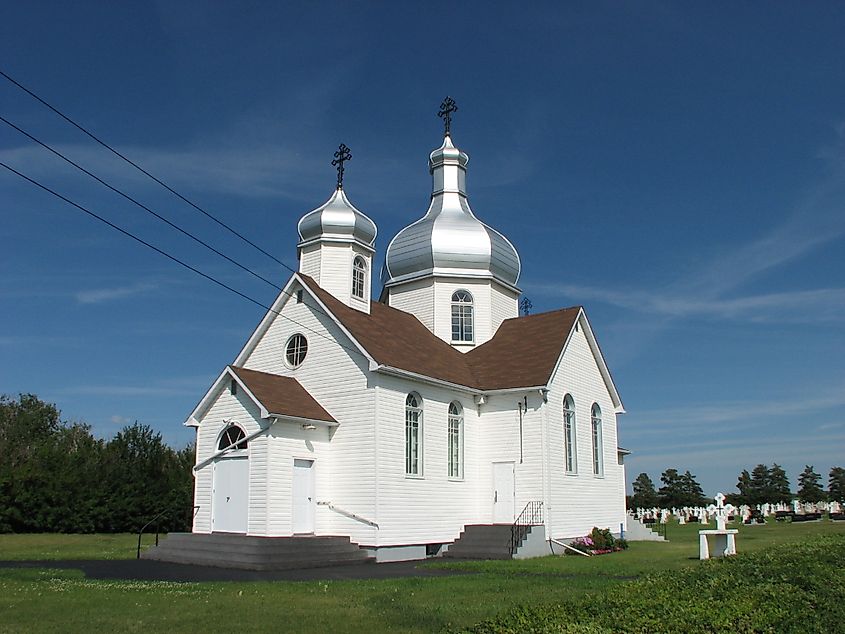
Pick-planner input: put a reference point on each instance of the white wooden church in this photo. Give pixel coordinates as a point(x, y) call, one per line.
point(402, 419)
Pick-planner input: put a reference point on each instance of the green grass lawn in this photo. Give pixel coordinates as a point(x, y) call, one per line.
point(45, 599)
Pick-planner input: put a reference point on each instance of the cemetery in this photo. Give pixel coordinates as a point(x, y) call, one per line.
point(655, 585)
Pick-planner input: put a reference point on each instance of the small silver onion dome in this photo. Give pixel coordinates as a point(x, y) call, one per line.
point(449, 240)
point(337, 219)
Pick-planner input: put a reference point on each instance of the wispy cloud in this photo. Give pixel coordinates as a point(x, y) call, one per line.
point(120, 420)
point(100, 295)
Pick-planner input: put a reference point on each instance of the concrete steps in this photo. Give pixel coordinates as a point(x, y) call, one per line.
point(227, 550)
point(482, 541)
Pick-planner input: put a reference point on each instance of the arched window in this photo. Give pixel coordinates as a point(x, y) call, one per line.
point(295, 350)
point(598, 452)
point(462, 316)
point(569, 434)
point(413, 435)
point(231, 435)
point(359, 272)
point(456, 440)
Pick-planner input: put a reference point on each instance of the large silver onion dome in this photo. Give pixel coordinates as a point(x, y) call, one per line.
point(337, 219)
point(449, 240)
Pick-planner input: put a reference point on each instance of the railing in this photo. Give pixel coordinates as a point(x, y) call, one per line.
point(532, 515)
point(141, 532)
point(348, 514)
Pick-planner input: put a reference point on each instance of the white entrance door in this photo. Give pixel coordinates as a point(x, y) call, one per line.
point(230, 504)
point(303, 496)
point(503, 493)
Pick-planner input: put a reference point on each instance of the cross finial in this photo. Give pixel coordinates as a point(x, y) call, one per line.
point(342, 154)
point(446, 109)
point(526, 305)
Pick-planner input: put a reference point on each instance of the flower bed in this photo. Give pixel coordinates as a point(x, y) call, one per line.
point(600, 541)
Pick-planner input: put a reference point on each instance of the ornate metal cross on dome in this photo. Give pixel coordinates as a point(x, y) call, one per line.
point(342, 154)
point(446, 109)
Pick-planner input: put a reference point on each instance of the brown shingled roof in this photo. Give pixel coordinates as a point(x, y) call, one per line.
point(282, 395)
point(523, 352)
point(398, 339)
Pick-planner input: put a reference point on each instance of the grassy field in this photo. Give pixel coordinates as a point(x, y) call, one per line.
point(48, 599)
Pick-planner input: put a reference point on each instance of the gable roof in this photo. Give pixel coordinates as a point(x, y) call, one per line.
point(397, 339)
point(275, 396)
point(282, 395)
point(524, 353)
point(524, 350)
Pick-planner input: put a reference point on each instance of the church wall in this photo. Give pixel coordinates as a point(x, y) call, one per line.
point(336, 270)
point(504, 304)
point(431, 508)
point(236, 409)
point(416, 298)
point(500, 442)
point(337, 378)
point(580, 501)
point(480, 291)
point(309, 261)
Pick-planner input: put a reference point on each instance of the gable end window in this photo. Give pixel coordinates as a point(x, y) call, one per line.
point(359, 276)
point(413, 435)
point(462, 325)
point(456, 441)
point(231, 435)
point(569, 434)
point(598, 450)
point(295, 350)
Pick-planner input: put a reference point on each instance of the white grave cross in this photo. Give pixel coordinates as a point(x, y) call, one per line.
point(720, 511)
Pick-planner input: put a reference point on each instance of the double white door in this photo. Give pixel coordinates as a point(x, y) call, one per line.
point(230, 503)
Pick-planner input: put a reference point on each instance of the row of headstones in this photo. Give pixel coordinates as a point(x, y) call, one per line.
point(747, 514)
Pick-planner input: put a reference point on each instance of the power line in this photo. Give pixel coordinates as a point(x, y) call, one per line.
point(139, 204)
point(143, 171)
point(177, 260)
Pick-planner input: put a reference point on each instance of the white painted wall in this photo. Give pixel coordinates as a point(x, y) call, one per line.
point(578, 502)
point(504, 304)
point(415, 297)
point(330, 264)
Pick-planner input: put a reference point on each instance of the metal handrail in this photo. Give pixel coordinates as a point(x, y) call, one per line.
point(532, 515)
point(348, 514)
point(141, 532)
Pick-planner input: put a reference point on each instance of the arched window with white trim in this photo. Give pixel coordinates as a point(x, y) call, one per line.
point(413, 434)
point(569, 434)
point(456, 440)
point(462, 322)
point(232, 435)
point(359, 277)
point(598, 450)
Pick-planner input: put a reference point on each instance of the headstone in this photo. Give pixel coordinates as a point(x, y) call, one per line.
point(724, 539)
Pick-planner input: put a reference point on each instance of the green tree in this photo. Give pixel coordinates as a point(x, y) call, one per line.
point(671, 494)
point(693, 495)
point(809, 486)
point(836, 485)
point(645, 497)
point(758, 492)
point(778, 485)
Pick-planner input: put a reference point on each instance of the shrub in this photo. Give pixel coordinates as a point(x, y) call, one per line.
point(786, 588)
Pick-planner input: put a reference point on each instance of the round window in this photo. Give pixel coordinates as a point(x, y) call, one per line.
point(295, 350)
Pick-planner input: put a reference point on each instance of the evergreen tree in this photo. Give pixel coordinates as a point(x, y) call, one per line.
point(809, 486)
point(645, 497)
point(693, 495)
point(836, 485)
point(743, 485)
point(671, 494)
point(759, 489)
point(778, 485)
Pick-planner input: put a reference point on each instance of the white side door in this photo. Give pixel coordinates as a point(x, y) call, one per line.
point(230, 503)
point(304, 503)
point(503, 493)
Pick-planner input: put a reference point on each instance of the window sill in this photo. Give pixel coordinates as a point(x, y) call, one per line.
point(411, 476)
point(452, 479)
point(571, 473)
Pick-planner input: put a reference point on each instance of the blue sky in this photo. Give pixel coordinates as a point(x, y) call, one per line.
point(678, 170)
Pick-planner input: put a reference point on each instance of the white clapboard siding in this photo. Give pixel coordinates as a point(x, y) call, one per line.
point(416, 298)
point(225, 408)
point(580, 501)
point(480, 291)
point(431, 508)
point(504, 304)
point(337, 378)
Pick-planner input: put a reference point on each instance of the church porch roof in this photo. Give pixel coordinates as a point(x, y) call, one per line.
point(282, 395)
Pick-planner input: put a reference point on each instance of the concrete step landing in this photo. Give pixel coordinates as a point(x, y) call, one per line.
point(246, 552)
